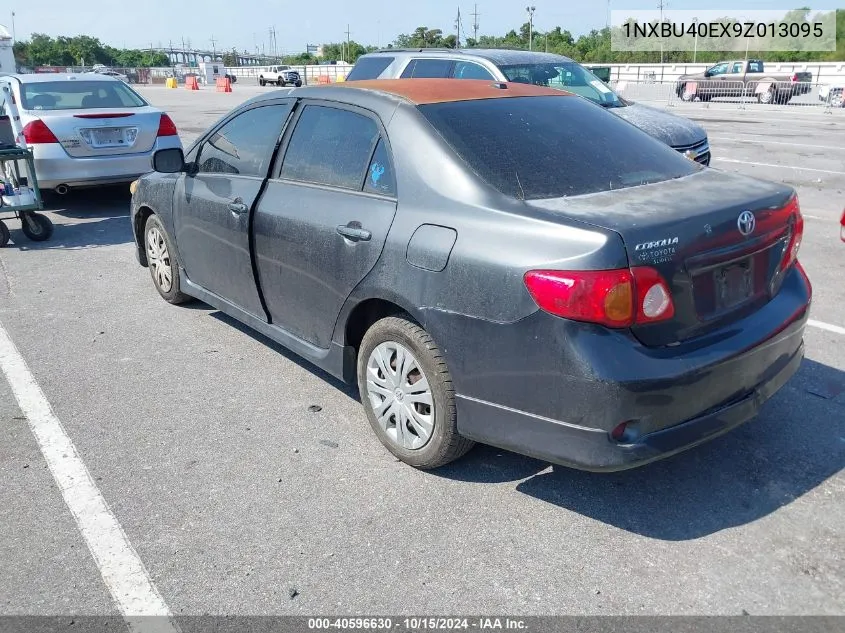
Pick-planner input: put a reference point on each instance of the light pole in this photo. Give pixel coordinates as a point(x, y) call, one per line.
point(530, 11)
point(695, 41)
point(14, 39)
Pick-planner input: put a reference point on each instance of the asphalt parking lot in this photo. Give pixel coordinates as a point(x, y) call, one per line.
point(239, 497)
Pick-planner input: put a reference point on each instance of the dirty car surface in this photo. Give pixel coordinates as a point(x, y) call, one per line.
point(501, 263)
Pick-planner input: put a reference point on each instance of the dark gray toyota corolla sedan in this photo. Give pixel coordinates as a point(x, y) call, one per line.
point(491, 262)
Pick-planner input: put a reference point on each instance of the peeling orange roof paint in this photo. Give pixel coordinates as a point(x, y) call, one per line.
point(425, 91)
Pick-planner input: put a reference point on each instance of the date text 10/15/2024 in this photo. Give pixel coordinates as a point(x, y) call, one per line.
point(417, 624)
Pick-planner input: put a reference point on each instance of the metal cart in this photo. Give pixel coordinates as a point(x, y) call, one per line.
point(22, 198)
point(20, 195)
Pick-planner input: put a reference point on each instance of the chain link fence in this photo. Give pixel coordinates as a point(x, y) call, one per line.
point(739, 95)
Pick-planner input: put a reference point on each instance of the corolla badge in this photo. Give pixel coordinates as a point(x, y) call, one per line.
point(746, 222)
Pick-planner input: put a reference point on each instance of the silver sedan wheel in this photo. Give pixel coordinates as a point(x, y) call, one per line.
point(400, 395)
point(158, 259)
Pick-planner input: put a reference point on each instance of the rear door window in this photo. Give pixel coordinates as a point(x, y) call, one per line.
point(551, 147)
point(428, 69)
point(369, 68)
point(470, 70)
point(330, 146)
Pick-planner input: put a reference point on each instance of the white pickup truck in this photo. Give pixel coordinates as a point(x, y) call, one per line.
point(280, 76)
point(833, 94)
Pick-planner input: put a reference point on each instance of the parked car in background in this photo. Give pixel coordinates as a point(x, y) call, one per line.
point(738, 78)
point(833, 94)
point(88, 129)
point(490, 262)
point(115, 74)
point(280, 76)
point(544, 69)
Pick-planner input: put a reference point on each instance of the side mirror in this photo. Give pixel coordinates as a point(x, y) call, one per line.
point(708, 73)
point(169, 161)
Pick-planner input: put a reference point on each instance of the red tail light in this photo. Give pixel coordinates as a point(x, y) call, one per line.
point(166, 127)
point(615, 298)
point(794, 77)
point(790, 255)
point(37, 131)
point(842, 227)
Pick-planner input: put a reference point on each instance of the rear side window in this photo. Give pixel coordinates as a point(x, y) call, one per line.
point(244, 145)
point(550, 147)
point(470, 70)
point(369, 68)
point(75, 95)
point(380, 177)
point(428, 68)
point(331, 147)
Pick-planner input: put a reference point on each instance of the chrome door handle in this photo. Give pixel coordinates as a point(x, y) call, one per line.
point(354, 233)
point(238, 207)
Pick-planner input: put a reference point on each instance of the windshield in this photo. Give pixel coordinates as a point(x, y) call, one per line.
point(568, 76)
point(553, 146)
point(79, 95)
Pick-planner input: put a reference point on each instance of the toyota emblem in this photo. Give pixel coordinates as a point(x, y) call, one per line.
point(746, 223)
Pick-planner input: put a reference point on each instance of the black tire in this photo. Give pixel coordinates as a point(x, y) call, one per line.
point(298, 84)
point(36, 226)
point(280, 83)
point(173, 294)
point(445, 444)
point(835, 99)
point(4, 234)
point(261, 82)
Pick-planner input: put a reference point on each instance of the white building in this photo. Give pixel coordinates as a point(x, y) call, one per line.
point(7, 55)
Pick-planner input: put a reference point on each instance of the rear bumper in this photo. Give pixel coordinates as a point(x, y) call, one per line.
point(54, 167)
point(555, 389)
point(594, 450)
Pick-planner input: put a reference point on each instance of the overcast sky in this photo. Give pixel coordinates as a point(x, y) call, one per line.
point(244, 23)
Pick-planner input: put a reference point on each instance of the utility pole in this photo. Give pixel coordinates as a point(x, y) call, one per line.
point(458, 29)
point(213, 49)
point(660, 5)
point(530, 26)
point(348, 50)
point(475, 25)
point(14, 38)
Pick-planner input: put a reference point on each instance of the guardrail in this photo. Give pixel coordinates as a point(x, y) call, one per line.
point(735, 94)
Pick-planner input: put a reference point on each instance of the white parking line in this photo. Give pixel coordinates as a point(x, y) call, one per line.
point(764, 141)
point(749, 162)
point(827, 326)
point(122, 570)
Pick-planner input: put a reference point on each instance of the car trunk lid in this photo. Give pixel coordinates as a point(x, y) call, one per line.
point(89, 132)
point(717, 239)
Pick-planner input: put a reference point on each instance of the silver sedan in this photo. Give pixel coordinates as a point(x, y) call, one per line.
point(88, 129)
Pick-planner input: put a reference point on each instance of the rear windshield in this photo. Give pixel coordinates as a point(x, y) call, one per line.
point(79, 95)
point(369, 68)
point(550, 147)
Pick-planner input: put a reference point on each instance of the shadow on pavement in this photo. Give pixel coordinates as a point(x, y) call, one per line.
point(349, 390)
point(97, 217)
point(793, 446)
